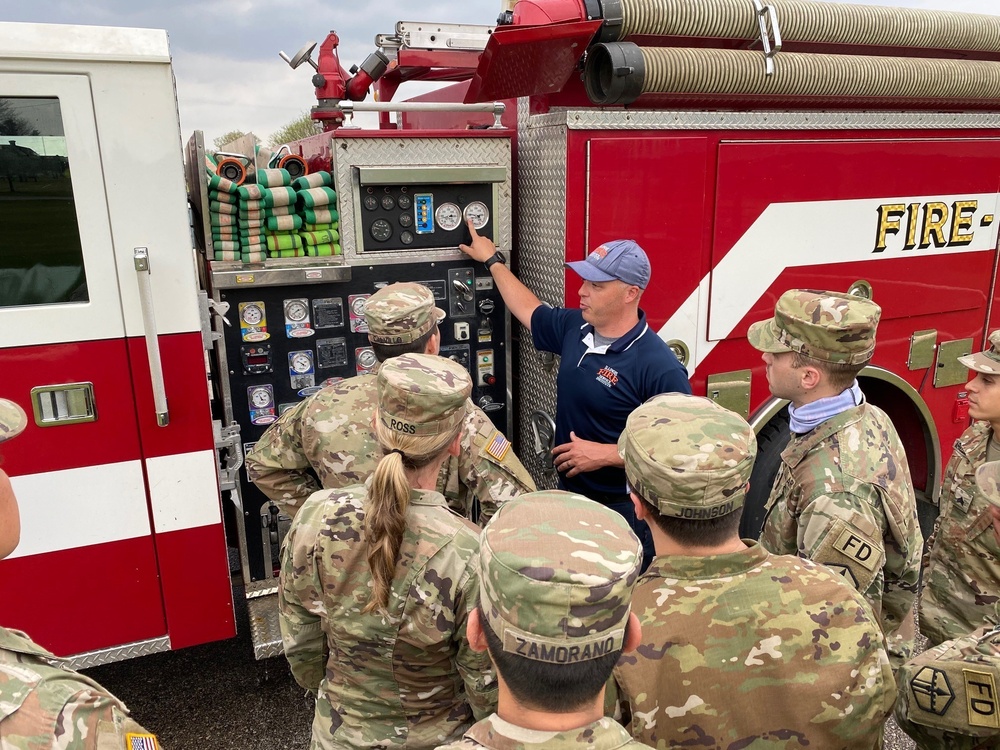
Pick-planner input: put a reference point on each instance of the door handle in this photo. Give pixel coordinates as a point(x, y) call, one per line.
point(140, 256)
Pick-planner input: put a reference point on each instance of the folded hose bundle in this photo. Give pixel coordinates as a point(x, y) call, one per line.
point(224, 233)
point(254, 257)
point(222, 245)
point(325, 215)
point(251, 192)
point(283, 242)
point(321, 227)
point(222, 220)
point(273, 177)
point(284, 223)
point(279, 211)
point(251, 205)
point(317, 197)
point(228, 255)
point(221, 184)
point(256, 223)
point(223, 197)
point(314, 180)
point(322, 237)
point(296, 253)
point(254, 217)
point(222, 208)
point(279, 196)
point(330, 248)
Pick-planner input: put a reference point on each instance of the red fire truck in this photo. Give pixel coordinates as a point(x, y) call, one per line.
point(750, 148)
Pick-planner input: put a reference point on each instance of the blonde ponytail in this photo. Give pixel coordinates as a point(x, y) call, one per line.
point(388, 498)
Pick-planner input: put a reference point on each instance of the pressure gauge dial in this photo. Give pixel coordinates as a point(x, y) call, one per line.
point(404, 201)
point(448, 216)
point(252, 315)
point(371, 202)
point(406, 220)
point(260, 397)
point(296, 310)
point(388, 203)
point(406, 237)
point(381, 230)
point(300, 363)
point(358, 306)
point(366, 358)
point(477, 213)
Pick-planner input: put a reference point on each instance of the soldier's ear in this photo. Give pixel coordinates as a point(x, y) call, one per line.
point(640, 510)
point(633, 635)
point(474, 632)
point(455, 446)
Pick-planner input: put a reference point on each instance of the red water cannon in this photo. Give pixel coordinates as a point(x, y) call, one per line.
point(334, 84)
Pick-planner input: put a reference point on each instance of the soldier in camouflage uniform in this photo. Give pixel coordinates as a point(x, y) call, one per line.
point(377, 580)
point(948, 694)
point(44, 704)
point(328, 435)
point(843, 494)
point(557, 572)
point(962, 574)
point(740, 648)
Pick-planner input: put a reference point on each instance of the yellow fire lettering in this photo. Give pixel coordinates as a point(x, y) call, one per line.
point(935, 219)
point(912, 212)
point(962, 213)
point(888, 223)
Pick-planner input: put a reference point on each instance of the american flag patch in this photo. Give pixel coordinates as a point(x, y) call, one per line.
point(498, 447)
point(141, 742)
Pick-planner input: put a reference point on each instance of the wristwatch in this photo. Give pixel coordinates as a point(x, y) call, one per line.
point(497, 257)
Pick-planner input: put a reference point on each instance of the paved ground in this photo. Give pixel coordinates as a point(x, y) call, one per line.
point(214, 695)
point(217, 696)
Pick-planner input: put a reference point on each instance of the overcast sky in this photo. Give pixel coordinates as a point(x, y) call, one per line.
point(225, 52)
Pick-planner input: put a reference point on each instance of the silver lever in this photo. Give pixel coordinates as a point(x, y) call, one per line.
point(767, 22)
point(140, 255)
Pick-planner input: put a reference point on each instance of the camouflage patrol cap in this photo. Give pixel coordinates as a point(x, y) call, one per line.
point(948, 694)
point(826, 326)
point(987, 361)
point(422, 394)
point(688, 456)
point(556, 577)
point(401, 313)
point(988, 481)
point(13, 420)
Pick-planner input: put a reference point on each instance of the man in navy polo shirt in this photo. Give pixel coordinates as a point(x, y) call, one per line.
point(611, 362)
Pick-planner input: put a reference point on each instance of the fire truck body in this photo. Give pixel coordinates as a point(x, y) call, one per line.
point(734, 203)
point(123, 550)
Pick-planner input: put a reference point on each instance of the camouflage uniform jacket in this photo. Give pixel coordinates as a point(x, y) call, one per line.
point(46, 706)
point(403, 679)
point(330, 434)
point(843, 497)
point(962, 577)
point(750, 649)
point(497, 734)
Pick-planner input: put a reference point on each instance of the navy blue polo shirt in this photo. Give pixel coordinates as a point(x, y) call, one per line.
point(598, 387)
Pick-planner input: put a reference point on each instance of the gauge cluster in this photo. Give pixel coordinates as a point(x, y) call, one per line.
point(420, 217)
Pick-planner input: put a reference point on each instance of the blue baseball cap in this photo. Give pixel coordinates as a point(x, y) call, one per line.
point(620, 259)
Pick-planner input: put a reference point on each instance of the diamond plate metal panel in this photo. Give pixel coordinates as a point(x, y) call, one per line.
point(265, 631)
point(119, 653)
point(593, 119)
point(541, 253)
point(417, 152)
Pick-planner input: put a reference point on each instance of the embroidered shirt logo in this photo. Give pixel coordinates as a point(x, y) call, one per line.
point(608, 376)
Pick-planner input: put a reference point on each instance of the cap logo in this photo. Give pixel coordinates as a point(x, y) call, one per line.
point(599, 253)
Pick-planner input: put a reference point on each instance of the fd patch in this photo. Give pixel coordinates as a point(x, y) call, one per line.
point(931, 691)
point(857, 556)
point(981, 699)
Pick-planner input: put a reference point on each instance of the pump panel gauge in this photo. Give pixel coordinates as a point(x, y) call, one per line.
point(371, 202)
point(448, 216)
point(300, 362)
point(364, 360)
point(388, 202)
point(296, 310)
point(477, 213)
point(404, 202)
point(381, 230)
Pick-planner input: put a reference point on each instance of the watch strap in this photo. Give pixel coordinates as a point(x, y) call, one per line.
point(497, 257)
